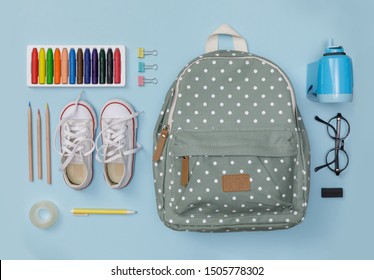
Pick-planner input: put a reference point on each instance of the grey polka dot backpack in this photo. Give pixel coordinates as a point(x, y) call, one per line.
point(231, 150)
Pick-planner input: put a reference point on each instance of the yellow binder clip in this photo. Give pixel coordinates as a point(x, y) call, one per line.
point(142, 52)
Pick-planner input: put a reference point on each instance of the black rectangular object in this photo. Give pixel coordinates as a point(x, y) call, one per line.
point(332, 192)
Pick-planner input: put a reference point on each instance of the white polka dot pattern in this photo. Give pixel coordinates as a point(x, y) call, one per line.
point(231, 113)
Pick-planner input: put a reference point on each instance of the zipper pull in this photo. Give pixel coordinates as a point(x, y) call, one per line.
point(185, 170)
point(161, 143)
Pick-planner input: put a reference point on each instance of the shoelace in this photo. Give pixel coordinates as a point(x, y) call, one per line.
point(116, 142)
point(75, 139)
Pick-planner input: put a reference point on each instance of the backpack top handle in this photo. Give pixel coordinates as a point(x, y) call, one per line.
point(239, 42)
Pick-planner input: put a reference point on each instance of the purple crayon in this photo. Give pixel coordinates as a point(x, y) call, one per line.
point(95, 66)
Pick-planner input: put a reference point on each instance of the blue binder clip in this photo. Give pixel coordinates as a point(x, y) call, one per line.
point(330, 79)
point(142, 67)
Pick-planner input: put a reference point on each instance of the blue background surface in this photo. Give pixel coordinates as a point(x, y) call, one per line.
point(291, 33)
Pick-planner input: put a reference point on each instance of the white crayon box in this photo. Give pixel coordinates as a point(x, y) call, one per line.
point(76, 66)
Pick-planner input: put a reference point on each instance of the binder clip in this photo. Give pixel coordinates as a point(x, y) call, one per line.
point(142, 52)
point(142, 67)
point(142, 81)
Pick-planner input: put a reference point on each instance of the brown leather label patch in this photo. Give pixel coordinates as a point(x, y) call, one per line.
point(235, 183)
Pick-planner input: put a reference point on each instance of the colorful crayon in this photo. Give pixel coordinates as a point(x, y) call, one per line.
point(49, 66)
point(117, 66)
point(57, 66)
point(109, 64)
point(79, 66)
point(64, 66)
point(34, 66)
point(95, 66)
point(42, 66)
point(87, 66)
point(102, 66)
point(72, 65)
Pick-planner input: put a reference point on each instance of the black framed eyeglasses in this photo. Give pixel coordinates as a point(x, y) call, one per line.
point(337, 158)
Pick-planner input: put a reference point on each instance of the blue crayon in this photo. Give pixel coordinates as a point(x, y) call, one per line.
point(95, 66)
point(72, 67)
point(87, 66)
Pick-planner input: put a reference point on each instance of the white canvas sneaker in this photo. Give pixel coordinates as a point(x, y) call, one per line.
point(77, 128)
point(118, 122)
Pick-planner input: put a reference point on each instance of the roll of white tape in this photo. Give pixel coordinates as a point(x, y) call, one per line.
point(52, 214)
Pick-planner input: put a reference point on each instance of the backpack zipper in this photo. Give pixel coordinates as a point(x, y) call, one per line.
point(176, 92)
point(159, 149)
point(161, 143)
point(185, 170)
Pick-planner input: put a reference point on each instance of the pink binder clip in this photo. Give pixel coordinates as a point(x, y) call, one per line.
point(142, 81)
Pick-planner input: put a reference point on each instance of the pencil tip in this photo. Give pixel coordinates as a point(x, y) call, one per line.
point(29, 104)
point(38, 111)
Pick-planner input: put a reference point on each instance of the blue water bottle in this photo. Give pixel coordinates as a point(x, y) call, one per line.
point(330, 79)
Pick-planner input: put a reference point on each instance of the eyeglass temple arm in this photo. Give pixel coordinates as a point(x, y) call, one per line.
point(337, 171)
point(318, 119)
point(321, 166)
point(324, 165)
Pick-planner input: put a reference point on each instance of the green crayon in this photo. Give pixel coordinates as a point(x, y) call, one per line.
point(102, 67)
point(49, 66)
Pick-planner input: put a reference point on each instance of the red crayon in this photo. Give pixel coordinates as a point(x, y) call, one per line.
point(34, 66)
point(117, 66)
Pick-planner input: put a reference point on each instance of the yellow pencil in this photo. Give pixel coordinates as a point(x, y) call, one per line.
point(95, 211)
point(48, 143)
point(31, 167)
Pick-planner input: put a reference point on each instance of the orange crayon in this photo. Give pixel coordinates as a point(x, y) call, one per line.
point(57, 66)
point(57, 69)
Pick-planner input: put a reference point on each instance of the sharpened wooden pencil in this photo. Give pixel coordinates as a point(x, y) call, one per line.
point(96, 211)
point(31, 167)
point(39, 139)
point(48, 144)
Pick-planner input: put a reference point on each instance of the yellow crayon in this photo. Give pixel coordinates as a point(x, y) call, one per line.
point(42, 66)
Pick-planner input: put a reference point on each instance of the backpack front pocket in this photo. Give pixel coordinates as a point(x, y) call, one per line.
point(232, 172)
